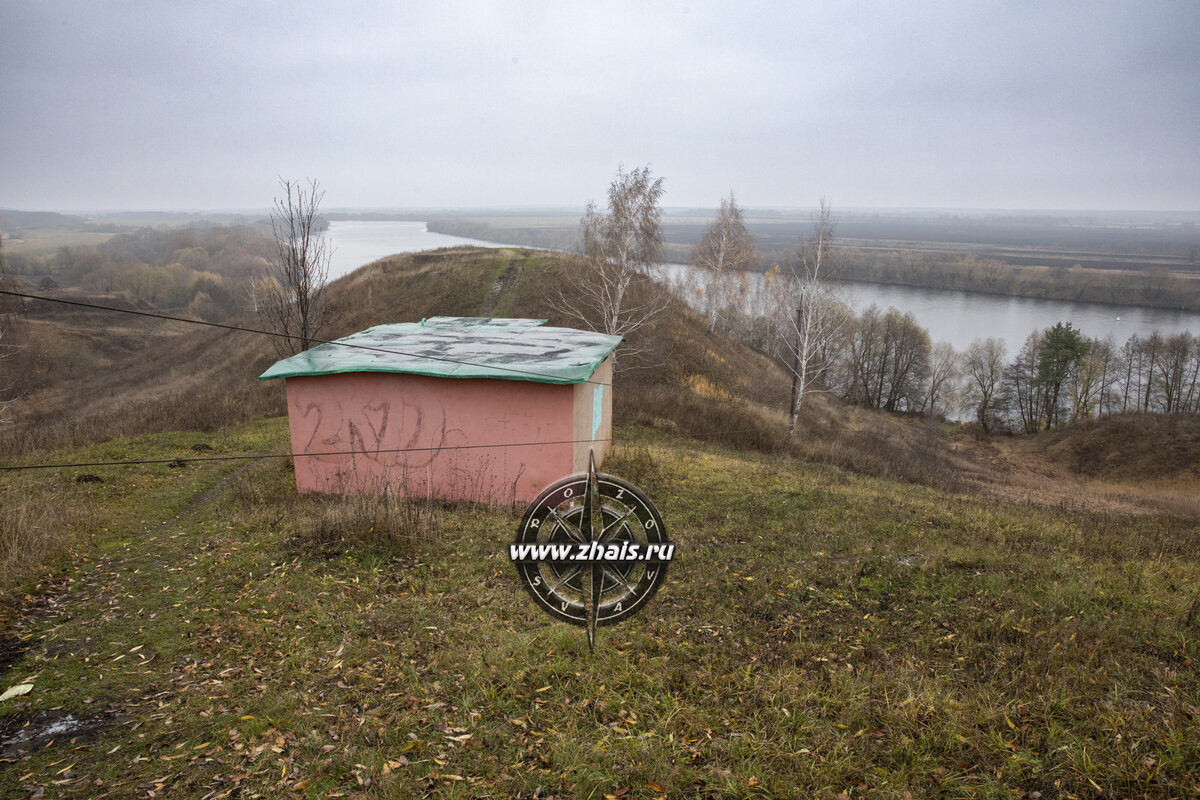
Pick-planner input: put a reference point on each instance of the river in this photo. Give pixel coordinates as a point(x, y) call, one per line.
point(960, 317)
point(955, 317)
point(356, 243)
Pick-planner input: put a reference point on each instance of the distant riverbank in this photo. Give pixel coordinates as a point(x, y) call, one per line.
point(949, 315)
point(1152, 288)
point(960, 317)
point(1149, 285)
point(358, 242)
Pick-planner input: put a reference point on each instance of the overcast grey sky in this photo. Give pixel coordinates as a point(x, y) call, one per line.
point(204, 105)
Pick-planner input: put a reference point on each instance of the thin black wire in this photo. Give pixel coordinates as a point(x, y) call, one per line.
point(253, 456)
point(168, 317)
point(22, 467)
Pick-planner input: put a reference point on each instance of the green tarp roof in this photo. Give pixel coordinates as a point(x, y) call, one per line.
point(459, 347)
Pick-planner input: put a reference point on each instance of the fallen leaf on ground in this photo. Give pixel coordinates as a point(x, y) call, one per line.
point(16, 691)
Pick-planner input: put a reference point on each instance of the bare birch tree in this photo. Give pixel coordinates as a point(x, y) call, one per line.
point(256, 286)
point(612, 289)
point(296, 302)
point(813, 317)
point(727, 245)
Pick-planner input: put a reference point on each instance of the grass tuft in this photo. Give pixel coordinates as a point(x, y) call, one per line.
point(36, 527)
point(383, 520)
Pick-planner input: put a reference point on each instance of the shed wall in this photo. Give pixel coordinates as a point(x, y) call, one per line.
point(593, 416)
point(481, 440)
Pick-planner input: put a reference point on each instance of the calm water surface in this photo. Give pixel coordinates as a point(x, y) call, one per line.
point(358, 243)
point(955, 317)
point(960, 317)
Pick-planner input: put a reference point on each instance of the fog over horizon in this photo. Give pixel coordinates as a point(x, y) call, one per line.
point(983, 106)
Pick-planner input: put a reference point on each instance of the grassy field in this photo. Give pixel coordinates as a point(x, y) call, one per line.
point(44, 242)
point(211, 634)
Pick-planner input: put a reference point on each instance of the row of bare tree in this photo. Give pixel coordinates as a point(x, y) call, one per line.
point(885, 359)
point(1151, 285)
point(205, 269)
point(1060, 376)
point(614, 287)
point(167, 267)
point(880, 359)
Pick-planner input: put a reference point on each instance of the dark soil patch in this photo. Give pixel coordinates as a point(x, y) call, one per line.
point(23, 735)
point(11, 652)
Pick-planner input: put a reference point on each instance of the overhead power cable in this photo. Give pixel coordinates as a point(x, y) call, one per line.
point(388, 351)
point(254, 456)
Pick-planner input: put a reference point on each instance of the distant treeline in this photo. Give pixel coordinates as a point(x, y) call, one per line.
point(12, 220)
point(565, 238)
point(885, 359)
point(1154, 287)
point(211, 271)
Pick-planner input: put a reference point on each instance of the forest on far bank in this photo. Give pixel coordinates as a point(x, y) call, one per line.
point(216, 272)
point(1095, 259)
point(212, 271)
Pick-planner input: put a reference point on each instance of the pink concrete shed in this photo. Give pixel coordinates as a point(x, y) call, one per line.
point(460, 408)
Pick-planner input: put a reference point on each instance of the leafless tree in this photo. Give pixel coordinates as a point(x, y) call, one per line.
point(810, 313)
point(296, 303)
point(1106, 357)
point(983, 365)
point(1019, 385)
point(887, 360)
point(612, 289)
point(257, 288)
point(1090, 383)
point(1161, 373)
point(1173, 370)
point(727, 246)
point(941, 384)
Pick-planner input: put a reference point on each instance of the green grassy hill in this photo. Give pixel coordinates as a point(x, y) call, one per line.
point(185, 376)
point(860, 612)
point(820, 634)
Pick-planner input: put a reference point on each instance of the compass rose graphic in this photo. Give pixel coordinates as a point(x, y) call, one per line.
point(591, 550)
